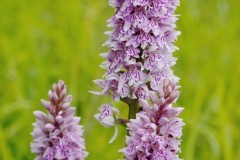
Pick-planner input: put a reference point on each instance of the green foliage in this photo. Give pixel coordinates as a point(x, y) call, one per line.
point(43, 41)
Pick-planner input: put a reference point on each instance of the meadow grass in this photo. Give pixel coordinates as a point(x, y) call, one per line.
point(43, 41)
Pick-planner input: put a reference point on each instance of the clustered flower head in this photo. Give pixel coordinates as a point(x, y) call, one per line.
point(155, 133)
point(141, 46)
point(57, 134)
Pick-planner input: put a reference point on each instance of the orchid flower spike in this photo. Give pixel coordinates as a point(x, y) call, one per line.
point(57, 133)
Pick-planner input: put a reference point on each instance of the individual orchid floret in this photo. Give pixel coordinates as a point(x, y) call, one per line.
point(106, 115)
point(57, 134)
point(107, 118)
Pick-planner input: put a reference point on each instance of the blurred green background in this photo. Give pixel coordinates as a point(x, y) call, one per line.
point(43, 41)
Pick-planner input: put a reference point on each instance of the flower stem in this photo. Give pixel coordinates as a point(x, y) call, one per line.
point(133, 109)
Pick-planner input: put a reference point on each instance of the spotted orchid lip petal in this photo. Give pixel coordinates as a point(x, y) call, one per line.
point(53, 132)
point(107, 121)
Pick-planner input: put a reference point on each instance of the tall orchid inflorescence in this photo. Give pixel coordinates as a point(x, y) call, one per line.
point(138, 72)
point(57, 134)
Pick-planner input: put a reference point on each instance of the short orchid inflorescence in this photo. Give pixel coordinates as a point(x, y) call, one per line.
point(57, 134)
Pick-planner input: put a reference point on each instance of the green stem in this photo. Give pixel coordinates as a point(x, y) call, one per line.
point(133, 109)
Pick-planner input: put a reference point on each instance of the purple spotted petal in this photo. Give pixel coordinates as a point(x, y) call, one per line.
point(106, 115)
